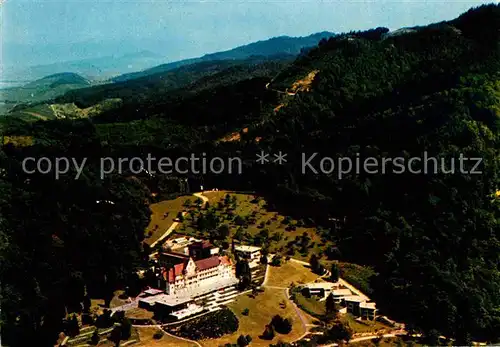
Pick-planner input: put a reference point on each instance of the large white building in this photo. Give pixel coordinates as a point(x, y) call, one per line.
point(194, 277)
point(251, 253)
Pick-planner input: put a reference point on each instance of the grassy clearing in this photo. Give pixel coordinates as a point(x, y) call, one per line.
point(18, 141)
point(288, 273)
point(261, 310)
point(357, 275)
point(364, 326)
point(146, 337)
point(310, 305)
point(159, 222)
point(139, 313)
point(387, 342)
point(260, 218)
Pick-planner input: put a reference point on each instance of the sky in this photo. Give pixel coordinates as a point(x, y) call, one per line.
point(185, 28)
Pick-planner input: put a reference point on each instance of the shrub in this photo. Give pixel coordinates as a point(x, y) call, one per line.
point(158, 335)
point(268, 333)
point(276, 261)
point(212, 325)
point(282, 326)
point(245, 312)
point(244, 340)
point(94, 340)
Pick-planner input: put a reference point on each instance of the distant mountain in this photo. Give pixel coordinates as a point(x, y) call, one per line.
point(44, 89)
point(265, 48)
point(101, 68)
point(160, 85)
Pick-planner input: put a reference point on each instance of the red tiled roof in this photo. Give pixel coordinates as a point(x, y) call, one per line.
point(207, 263)
point(170, 274)
point(225, 260)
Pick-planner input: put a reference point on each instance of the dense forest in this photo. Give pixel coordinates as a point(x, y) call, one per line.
point(433, 238)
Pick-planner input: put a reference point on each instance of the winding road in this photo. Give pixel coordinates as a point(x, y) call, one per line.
point(174, 225)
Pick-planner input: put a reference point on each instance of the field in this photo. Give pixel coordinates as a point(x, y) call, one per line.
point(365, 326)
point(310, 305)
point(146, 339)
point(159, 222)
point(290, 272)
point(261, 310)
point(386, 342)
point(253, 208)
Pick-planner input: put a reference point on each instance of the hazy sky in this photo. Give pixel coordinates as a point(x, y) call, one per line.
point(198, 27)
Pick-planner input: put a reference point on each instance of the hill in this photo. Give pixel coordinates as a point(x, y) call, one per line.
point(44, 89)
point(366, 121)
point(266, 48)
point(104, 65)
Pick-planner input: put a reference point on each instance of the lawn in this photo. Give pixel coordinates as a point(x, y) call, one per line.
point(261, 310)
point(365, 326)
point(310, 305)
point(290, 272)
point(254, 207)
point(386, 342)
point(159, 222)
point(146, 339)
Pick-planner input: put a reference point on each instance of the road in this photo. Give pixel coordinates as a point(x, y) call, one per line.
point(174, 225)
point(342, 281)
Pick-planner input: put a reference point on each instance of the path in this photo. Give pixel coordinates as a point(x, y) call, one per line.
point(287, 295)
point(175, 224)
point(37, 115)
point(342, 281)
point(299, 313)
point(168, 334)
point(266, 276)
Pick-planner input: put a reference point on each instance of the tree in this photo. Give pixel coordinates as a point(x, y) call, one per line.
point(263, 259)
point(244, 340)
point(268, 333)
point(73, 326)
point(339, 332)
point(244, 273)
point(94, 340)
point(276, 261)
point(126, 328)
point(116, 335)
point(223, 232)
point(281, 325)
point(86, 304)
point(331, 307)
point(239, 220)
point(180, 216)
point(335, 273)
point(314, 262)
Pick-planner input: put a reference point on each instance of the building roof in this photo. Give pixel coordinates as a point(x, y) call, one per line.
point(207, 263)
point(153, 291)
point(245, 248)
point(354, 298)
point(341, 292)
point(321, 285)
point(170, 274)
point(202, 264)
point(165, 299)
point(174, 255)
point(368, 305)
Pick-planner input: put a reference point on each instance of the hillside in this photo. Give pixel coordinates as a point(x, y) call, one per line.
point(101, 68)
point(362, 106)
point(283, 45)
point(45, 88)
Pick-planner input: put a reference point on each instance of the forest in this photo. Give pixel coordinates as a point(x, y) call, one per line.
point(433, 238)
